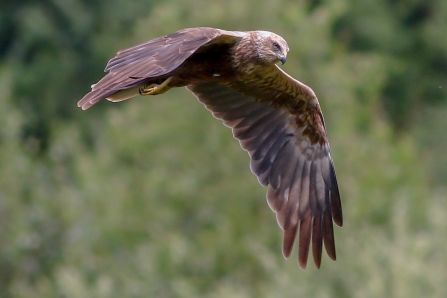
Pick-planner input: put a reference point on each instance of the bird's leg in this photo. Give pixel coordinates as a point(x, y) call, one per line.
point(155, 89)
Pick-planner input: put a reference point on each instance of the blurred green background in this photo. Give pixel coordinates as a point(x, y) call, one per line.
point(154, 198)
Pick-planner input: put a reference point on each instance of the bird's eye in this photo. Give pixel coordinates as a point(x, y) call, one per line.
point(276, 46)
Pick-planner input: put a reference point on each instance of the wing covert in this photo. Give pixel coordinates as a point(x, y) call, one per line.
point(157, 57)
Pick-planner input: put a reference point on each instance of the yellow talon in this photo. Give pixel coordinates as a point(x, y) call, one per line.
point(155, 89)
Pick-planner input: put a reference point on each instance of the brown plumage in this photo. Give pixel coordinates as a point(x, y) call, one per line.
point(276, 118)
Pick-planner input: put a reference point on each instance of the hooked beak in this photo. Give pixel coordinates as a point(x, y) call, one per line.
point(283, 57)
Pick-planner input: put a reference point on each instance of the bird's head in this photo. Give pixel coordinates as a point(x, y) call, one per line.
point(271, 47)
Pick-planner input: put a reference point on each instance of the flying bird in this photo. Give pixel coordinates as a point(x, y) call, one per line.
point(276, 118)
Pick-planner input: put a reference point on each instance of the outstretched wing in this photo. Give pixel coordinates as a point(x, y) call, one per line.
point(155, 58)
point(283, 131)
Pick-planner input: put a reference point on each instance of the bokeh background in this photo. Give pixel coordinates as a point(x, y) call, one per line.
point(153, 197)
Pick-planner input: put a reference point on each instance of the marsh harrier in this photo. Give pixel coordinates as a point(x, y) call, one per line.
point(276, 118)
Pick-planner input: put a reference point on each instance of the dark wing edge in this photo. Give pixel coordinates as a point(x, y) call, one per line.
point(155, 58)
point(302, 187)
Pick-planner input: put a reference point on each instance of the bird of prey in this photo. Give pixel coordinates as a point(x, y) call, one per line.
point(276, 118)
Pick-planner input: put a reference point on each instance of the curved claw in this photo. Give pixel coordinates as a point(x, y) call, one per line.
point(155, 89)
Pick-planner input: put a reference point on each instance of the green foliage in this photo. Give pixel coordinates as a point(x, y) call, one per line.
point(154, 198)
point(411, 35)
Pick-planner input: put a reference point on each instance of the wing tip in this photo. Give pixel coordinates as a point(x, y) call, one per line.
point(83, 105)
point(328, 235)
point(288, 240)
point(304, 240)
